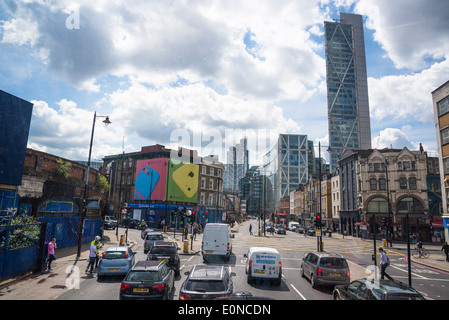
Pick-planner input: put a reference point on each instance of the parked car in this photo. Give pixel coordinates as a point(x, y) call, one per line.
point(168, 252)
point(206, 282)
point(263, 263)
point(115, 261)
point(370, 289)
point(150, 239)
point(144, 232)
point(110, 222)
point(148, 280)
point(280, 229)
point(324, 268)
point(131, 223)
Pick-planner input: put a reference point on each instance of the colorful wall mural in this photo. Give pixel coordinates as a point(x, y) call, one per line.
point(182, 181)
point(151, 177)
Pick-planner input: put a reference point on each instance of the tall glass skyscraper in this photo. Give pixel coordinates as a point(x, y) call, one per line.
point(347, 86)
point(236, 167)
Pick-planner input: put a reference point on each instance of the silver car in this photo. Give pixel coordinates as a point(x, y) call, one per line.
point(150, 239)
point(324, 268)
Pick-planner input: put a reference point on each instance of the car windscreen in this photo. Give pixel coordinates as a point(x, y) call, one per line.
point(136, 276)
point(206, 285)
point(114, 255)
point(332, 262)
point(163, 250)
point(155, 237)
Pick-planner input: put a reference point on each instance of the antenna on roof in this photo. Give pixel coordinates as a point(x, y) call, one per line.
point(123, 145)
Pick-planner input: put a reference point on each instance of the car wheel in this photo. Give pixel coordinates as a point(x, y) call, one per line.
point(312, 281)
point(337, 296)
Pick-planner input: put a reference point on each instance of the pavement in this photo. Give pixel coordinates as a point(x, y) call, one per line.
point(48, 285)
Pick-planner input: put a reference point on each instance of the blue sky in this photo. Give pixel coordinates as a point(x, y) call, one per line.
point(181, 72)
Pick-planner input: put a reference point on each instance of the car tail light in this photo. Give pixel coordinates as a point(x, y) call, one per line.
point(348, 274)
point(280, 266)
point(319, 272)
point(104, 253)
point(250, 266)
point(184, 296)
point(124, 286)
point(159, 287)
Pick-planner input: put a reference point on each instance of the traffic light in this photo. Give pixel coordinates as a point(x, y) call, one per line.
point(128, 212)
point(193, 215)
point(318, 220)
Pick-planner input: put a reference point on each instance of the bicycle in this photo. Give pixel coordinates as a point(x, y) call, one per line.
point(420, 253)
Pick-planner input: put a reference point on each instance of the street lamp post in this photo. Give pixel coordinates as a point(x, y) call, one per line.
point(83, 212)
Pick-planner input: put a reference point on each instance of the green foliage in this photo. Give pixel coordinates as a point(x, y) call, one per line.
point(103, 183)
point(22, 231)
point(64, 168)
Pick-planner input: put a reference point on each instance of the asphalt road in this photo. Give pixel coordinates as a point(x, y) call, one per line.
point(292, 247)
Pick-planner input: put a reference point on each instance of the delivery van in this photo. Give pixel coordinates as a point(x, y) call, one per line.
point(217, 241)
point(263, 263)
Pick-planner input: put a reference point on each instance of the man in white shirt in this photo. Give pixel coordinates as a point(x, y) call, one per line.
point(383, 264)
point(92, 256)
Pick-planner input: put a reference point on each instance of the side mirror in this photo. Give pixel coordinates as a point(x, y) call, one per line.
point(232, 235)
point(245, 256)
point(233, 274)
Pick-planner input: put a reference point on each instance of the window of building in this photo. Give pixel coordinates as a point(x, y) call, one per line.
point(402, 183)
point(372, 184)
point(412, 183)
point(445, 135)
point(443, 106)
point(382, 184)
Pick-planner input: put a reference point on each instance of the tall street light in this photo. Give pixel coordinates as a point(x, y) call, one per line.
point(83, 212)
point(320, 241)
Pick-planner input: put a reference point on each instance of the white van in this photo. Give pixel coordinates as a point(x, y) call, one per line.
point(217, 241)
point(293, 225)
point(263, 263)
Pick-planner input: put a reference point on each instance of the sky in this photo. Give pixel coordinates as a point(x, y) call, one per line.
point(204, 74)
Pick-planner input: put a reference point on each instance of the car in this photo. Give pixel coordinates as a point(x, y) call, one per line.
point(244, 295)
point(144, 232)
point(270, 228)
point(148, 280)
point(300, 229)
point(130, 223)
point(370, 289)
point(310, 231)
point(168, 252)
point(280, 229)
point(150, 239)
point(325, 268)
point(116, 261)
point(110, 223)
point(207, 282)
point(263, 263)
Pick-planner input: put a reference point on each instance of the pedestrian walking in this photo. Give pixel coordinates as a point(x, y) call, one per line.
point(384, 263)
point(51, 253)
point(92, 257)
point(446, 250)
point(250, 229)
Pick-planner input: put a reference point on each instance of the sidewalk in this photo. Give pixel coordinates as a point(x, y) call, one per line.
point(48, 285)
point(437, 259)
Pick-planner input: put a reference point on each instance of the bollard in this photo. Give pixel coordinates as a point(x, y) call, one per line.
point(122, 240)
point(186, 246)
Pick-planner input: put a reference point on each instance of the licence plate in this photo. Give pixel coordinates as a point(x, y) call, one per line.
point(210, 251)
point(335, 275)
point(259, 271)
point(164, 259)
point(115, 269)
point(141, 290)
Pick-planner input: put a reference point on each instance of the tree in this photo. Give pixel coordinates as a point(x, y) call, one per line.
point(64, 168)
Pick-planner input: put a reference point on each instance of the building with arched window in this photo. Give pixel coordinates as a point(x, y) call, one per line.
point(388, 185)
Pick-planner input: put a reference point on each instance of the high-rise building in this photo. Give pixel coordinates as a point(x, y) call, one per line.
point(236, 167)
point(347, 86)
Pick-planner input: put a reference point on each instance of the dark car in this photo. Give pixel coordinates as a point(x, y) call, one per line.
point(148, 280)
point(168, 252)
point(206, 282)
point(280, 229)
point(370, 289)
point(130, 223)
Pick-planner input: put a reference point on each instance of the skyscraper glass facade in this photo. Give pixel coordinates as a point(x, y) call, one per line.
point(347, 89)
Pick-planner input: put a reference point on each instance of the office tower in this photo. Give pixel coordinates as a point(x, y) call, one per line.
point(236, 167)
point(285, 168)
point(347, 86)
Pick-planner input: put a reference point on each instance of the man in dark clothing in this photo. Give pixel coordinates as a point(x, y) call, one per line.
point(446, 250)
